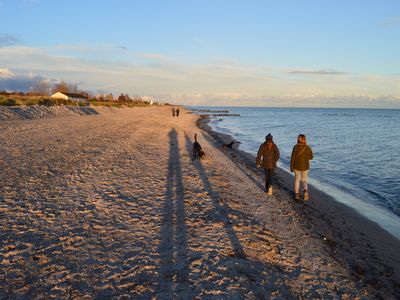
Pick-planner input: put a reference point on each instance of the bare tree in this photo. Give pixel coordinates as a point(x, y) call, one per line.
point(62, 87)
point(99, 97)
point(73, 88)
point(86, 94)
point(121, 98)
point(41, 87)
point(109, 97)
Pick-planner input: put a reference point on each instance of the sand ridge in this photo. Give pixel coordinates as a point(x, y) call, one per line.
point(112, 205)
point(42, 111)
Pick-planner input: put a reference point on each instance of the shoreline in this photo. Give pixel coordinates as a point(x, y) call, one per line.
point(372, 213)
point(346, 223)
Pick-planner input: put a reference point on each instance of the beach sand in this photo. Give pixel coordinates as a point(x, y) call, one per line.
point(112, 205)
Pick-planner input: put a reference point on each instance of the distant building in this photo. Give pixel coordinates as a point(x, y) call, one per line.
point(70, 96)
point(148, 99)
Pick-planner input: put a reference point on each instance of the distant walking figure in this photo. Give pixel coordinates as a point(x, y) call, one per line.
point(173, 111)
point(267, 156)
point(299, 163)
point(177, 112)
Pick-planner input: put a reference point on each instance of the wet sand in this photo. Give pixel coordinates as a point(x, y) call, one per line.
point(112, 205)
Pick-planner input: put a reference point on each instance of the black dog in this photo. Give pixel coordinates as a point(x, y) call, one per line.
point(228, 146)
point(197, 151)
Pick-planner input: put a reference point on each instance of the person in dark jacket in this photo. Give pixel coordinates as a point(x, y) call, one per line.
point(299, 164)
point(267, 156)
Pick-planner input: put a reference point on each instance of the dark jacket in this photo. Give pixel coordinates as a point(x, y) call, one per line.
point(301, 155)
point(266, 157)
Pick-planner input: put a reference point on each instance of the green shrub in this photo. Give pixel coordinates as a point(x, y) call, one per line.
point(8, 102)
point(93, 102)
point(46, 102)
point(32, 102)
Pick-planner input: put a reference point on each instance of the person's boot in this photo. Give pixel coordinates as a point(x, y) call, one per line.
point(306, 196)
point(296, 196)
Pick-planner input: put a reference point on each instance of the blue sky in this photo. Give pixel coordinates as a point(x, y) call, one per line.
point(265, 53)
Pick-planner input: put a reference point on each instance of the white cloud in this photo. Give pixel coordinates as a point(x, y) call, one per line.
point(87, 49)
point(351, 101)
point(317, 72)
point(6, 73)
point(222, 82)
point(22, 83)
point(32, 75)
point(153, 56)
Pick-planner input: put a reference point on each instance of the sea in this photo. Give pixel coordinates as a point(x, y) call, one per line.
point(356, 151)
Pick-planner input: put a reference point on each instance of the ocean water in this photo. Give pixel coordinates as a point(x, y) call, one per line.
point(356, 151)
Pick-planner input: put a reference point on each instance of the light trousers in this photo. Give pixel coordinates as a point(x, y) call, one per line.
point(300, 176)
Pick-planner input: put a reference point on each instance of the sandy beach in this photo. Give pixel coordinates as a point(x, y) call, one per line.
point(111, 204)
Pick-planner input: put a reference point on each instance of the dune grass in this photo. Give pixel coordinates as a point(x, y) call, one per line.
point(28, 100)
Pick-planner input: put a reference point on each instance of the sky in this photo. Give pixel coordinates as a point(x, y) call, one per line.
point(287, 53)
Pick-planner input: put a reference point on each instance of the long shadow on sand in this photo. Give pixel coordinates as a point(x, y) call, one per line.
point(317, 222)
point(250, 165)
point(173, 236)
point(261, 278)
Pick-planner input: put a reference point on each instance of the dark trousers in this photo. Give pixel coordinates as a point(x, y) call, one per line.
point(269, 177)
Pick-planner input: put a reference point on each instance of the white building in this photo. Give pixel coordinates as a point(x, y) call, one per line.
point(70, 96)
point(148, 99)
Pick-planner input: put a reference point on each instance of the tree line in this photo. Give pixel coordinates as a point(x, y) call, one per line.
point(44, 88)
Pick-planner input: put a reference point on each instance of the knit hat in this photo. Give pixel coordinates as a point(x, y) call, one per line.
point(269, 137)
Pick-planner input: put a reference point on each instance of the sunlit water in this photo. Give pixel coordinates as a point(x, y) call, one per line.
point(356, 151)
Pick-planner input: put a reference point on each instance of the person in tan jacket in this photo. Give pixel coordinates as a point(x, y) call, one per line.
point(299, 164)
point(267, 156)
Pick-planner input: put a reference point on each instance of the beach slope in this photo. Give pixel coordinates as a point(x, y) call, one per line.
point(113, 205)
